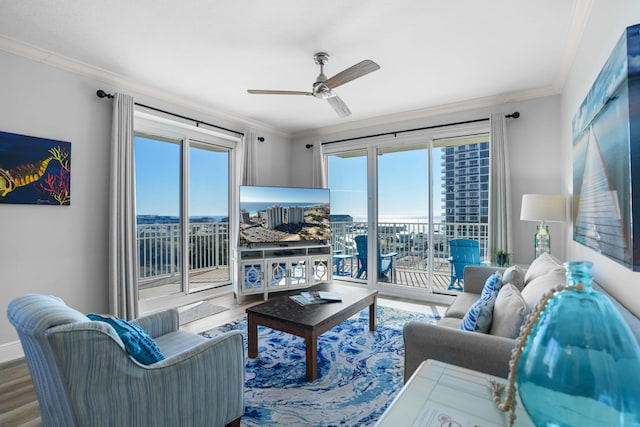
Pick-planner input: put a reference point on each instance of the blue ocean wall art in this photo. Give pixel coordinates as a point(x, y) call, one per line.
point(606, 157)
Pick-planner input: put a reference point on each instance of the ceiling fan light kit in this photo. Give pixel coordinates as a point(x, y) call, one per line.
point(323, 87)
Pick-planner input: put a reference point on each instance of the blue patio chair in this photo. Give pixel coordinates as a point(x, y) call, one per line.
point(385, 261)
point(463, 252)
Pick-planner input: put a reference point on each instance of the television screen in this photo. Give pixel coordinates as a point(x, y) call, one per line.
point(282, 215)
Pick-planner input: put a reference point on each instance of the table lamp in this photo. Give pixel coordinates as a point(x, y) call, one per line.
point(543, 207)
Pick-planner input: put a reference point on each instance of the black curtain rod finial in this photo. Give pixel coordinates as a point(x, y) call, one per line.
point(261, 138)
point(513, 115)
point(103, 94)
point(309, 146)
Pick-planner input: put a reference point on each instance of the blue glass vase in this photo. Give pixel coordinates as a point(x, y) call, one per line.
point(580, 365)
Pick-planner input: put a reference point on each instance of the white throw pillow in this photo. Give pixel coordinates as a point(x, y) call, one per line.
point(515, 276)
point(509, 312)
point(542, 265)
point(534, 290)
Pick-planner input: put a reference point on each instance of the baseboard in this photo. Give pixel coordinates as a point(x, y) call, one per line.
point(11, 351)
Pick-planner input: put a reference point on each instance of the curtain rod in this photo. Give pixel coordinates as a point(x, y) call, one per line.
point(514, 115)
point(103, 94)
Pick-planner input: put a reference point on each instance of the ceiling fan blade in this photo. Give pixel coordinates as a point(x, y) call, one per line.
point(355, 71)
point(277, 92)
point(340, 107)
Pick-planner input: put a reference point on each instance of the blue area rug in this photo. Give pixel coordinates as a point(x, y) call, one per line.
point(360, 372)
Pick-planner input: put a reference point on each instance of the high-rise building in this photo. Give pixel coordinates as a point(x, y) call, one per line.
point(295, 215)
point(275, 216)
point(465, 177)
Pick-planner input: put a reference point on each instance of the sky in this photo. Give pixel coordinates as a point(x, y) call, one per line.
point(281, 194)
point(158, 179)
point(402, 185)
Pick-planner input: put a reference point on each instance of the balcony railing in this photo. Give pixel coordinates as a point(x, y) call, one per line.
point(159, 245)
point(159, 249)
point(410, 239)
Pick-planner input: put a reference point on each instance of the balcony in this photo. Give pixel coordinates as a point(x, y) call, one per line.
point(159, 263)
point(159, 268)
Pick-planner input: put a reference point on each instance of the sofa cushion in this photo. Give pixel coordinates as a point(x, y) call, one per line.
point(461, 305)
point(450, 322)
point(542, 265)
point(136, 341)
point(509, 312)
point(478, 317)
point(535, 289)
point(515, 276)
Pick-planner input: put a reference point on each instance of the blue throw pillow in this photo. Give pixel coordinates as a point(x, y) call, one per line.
point(478, 317)
point(136, 341)
point(492, 286)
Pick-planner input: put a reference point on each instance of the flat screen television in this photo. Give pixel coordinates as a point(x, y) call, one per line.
point(284, 216)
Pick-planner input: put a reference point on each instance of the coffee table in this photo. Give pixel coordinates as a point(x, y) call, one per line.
point(309, 321)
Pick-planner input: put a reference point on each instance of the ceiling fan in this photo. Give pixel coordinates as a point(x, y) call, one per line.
point(323, 87)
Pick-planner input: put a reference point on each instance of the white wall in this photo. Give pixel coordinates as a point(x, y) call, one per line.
point(605, 26)
point(534, 141)
point(63, 250)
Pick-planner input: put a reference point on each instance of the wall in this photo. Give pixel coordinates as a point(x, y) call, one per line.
point(605, 26)
point(63, 250)
point(534, 141)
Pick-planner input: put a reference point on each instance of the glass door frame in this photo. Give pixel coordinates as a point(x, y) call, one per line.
point(152, 125)
point(428, 137)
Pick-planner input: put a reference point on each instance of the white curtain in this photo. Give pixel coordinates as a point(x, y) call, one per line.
point(500, 197)
point(250, 161)
point(123, 291)
point(318, 171)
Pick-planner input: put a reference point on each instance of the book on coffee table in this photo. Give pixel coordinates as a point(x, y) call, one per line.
point(315, 297)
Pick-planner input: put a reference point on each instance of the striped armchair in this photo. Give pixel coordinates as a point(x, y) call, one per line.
point(84, 377)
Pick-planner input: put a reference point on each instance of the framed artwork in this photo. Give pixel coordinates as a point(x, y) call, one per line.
point(34, 170)
point(606, 157)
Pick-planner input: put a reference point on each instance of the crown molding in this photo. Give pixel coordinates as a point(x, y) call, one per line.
point(437, 110)
point(579, 21)
point(53, 59)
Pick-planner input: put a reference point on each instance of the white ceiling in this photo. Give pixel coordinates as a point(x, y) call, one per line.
point(431, 52)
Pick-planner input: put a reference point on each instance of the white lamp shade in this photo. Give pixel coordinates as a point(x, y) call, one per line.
point(544, 207)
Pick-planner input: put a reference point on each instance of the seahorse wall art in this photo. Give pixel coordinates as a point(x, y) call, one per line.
point(34, 170)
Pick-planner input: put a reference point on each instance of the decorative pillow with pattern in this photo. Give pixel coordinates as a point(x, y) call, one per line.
point(478, 317)
point(136, 341)
point(492, 286)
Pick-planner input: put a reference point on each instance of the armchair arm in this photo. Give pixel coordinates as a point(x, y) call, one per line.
point(475, 277)
point(472, 350)
point(204, 385)
point(160, 323)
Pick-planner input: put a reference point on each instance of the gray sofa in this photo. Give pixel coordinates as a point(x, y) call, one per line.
point(487, 352)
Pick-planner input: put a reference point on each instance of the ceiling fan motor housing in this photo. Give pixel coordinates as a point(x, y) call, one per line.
point(323, 87)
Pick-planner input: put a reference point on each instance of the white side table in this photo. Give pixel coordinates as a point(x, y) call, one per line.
point(443, 395)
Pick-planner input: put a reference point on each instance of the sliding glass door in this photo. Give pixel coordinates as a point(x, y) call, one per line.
point(349, 213)
point(397, 202)
point(403, 211)
point(159, 232)
point(183, 209)
point(208, 233)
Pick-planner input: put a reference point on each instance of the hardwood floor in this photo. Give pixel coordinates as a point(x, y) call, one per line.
point(18, 403)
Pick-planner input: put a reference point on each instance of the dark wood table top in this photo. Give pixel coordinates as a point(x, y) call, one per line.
point(281, 307)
